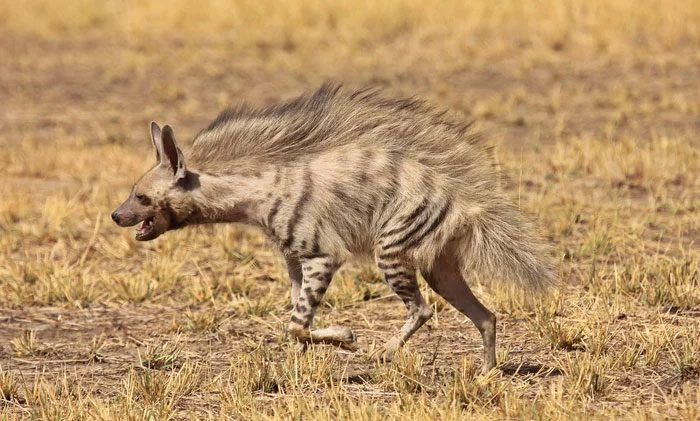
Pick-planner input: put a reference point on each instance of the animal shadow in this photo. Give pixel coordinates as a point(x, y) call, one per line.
point(527, 369)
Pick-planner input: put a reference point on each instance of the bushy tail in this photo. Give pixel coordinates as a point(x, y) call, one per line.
point(502, 242)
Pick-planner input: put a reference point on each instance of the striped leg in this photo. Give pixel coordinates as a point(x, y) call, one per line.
point(317, 273)
point(401, 233)
point(402, 279)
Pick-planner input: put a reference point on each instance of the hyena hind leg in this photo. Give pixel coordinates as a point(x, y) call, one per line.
point(317, 273)
point(446, 279)
point(402, 279)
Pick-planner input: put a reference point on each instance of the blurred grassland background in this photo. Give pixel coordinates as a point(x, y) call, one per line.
point(602, 26)
point(592, 107)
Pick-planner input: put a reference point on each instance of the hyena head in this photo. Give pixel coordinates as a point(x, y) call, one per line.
point(162, 198)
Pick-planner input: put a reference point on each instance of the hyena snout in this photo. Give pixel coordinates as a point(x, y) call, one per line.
point(126, 216)
point(116, 217)
point(124, 219)
point(153, 223)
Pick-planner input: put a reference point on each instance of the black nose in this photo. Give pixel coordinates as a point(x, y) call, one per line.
point(115, 217)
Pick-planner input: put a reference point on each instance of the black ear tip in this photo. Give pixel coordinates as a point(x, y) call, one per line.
point(167, 129)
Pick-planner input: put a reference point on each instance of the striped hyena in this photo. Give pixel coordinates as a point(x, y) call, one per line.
point(334, 175)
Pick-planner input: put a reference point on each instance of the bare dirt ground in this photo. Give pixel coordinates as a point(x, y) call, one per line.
point(596, 133)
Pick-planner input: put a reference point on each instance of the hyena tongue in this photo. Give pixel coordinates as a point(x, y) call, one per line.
point(145, 225)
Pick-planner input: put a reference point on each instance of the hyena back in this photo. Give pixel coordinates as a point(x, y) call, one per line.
point(334, 175)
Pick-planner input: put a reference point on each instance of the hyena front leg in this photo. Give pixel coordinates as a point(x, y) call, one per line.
point(402, 279)
point(295, 277)
point(317, 273)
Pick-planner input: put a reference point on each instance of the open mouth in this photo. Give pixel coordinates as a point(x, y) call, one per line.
point(145, 229)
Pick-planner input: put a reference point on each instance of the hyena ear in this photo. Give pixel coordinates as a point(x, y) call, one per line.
point(156, 139)
point(171, 156)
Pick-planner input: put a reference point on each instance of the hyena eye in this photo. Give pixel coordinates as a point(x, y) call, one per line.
point(143, 199)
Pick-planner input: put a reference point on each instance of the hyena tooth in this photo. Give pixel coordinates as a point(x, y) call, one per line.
point(332, 175)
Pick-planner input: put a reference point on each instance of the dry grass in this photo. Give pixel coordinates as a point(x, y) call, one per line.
point(592, 106)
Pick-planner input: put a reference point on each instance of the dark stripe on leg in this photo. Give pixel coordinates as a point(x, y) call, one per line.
point(299, 322)
point(388, 266)
point(317, 275)
point(394, 275)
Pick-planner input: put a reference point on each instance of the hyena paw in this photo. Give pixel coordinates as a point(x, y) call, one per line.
point(336, 335)
point(387, 352)
point(342, 334)
point(487, 366)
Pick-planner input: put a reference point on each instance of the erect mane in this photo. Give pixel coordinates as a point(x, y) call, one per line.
point(298, 126)
point(330, 118)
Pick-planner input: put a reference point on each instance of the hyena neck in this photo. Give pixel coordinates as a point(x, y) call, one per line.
point(234, 197)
